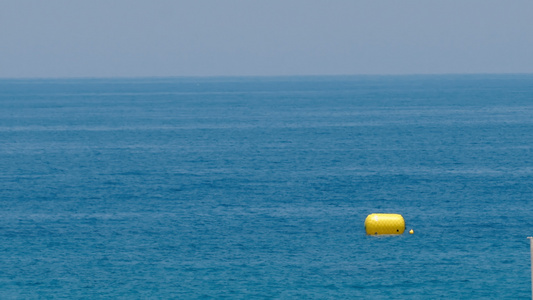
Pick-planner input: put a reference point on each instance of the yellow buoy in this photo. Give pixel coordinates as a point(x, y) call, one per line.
point(384, 224)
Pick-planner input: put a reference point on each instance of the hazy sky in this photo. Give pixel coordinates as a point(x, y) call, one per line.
point(107, 38)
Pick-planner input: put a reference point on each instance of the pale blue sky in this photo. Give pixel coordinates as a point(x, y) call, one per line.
point(108, 38)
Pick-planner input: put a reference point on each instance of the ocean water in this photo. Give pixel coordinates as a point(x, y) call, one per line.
point(258, 188)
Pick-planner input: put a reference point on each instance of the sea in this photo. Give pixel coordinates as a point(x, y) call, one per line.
point(258, 187)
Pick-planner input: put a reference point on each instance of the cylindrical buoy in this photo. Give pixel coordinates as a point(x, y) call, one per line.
point(384, 224)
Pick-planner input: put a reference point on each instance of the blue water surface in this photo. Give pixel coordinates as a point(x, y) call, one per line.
point(258, 188)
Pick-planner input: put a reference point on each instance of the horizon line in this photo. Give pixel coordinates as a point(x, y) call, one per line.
point(262, 76)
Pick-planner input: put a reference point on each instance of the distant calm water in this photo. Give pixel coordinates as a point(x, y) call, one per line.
point(258, 188)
